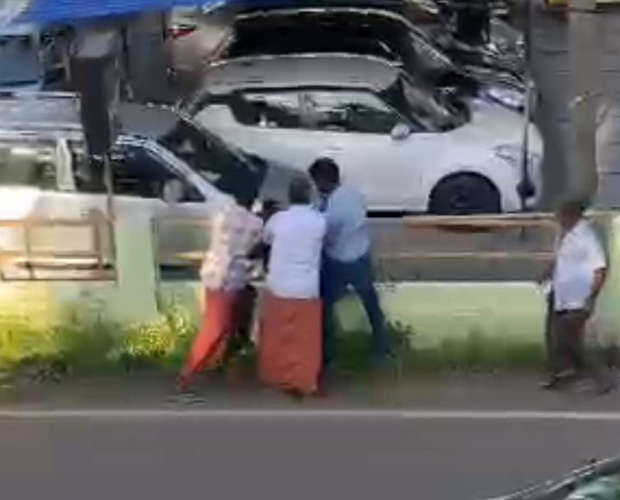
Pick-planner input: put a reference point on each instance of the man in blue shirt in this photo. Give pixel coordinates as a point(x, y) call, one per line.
point(347, 257)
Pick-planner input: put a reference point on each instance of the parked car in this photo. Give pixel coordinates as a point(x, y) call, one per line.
point(191, 34)
point(405, 147)
point(368, 31)
point(45, 171)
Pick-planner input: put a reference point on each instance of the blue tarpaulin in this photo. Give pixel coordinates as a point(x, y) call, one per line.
point(56, 11)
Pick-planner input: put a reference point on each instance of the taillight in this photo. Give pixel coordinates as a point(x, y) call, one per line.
point(181, 30)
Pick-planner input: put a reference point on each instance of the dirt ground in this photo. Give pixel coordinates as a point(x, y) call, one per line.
point(484, 391)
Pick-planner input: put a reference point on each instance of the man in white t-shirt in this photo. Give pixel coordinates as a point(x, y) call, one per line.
point(578, 274)
point(290, 345)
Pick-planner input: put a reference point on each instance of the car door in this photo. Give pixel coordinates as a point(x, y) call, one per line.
point(355, 129)
point(140, 175)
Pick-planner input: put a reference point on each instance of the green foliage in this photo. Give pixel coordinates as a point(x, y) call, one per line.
point(474, 352)
point(88, 343)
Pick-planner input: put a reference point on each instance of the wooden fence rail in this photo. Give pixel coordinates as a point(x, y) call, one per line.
point(56, 263)
point(465, 225)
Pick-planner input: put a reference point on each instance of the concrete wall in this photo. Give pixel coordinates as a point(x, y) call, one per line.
point(434, 311)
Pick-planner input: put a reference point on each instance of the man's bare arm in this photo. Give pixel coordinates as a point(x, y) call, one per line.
point(547, 273)
point(600, 276)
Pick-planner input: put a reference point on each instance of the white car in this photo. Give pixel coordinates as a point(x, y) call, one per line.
point(405, 148)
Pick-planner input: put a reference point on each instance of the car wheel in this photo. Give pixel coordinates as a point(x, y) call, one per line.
point(463, 194)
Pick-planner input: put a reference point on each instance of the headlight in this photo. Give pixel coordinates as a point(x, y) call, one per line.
point(511, 154)
point(511, 98)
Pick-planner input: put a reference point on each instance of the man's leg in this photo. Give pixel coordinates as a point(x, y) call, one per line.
point(575, 325)
point(245, 313)
point(549, 340)
point(333, 285)
point(362, 278)
point(210, 344)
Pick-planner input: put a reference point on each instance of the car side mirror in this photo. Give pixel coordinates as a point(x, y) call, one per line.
point(173, 191)
point(400, 131)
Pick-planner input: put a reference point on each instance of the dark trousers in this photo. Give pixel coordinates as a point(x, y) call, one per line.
point(569, 328)
point(569, 350)
point(549, 331)
point(336, 276)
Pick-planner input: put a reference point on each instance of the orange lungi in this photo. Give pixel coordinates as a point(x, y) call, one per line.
point(290, 344)
point(218, 326)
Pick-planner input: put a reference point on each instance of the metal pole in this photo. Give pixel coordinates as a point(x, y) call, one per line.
point(526, 187)
point(109, 188)
point(111, 215)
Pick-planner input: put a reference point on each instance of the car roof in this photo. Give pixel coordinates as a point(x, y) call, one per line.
point(308, 70)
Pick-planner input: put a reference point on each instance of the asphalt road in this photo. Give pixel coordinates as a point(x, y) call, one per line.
point(289, 457)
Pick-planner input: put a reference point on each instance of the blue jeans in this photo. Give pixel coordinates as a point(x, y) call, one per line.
point(336, 276)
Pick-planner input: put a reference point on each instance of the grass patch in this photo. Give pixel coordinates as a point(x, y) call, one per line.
point(90, 345)
point(473, 352)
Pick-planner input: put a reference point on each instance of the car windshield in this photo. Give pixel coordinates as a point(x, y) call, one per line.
point(229, 170)
point(19, 59)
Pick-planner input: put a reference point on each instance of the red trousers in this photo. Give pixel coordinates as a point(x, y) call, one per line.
point(218, 326)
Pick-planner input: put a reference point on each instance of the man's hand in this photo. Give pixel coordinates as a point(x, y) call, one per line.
point(270, 208)
point(546, 275)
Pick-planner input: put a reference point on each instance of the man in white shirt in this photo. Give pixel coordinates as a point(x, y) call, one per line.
point(347, 255)
point(577, 275)
point(290, 354)
point(296, 240)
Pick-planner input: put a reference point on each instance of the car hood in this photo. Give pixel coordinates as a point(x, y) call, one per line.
point(494, 124)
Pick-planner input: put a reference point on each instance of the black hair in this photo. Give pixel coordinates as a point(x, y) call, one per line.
point(300, 191)
point(573, 207)
point(325, 168)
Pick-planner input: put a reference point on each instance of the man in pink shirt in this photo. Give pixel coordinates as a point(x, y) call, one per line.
point(235, 232)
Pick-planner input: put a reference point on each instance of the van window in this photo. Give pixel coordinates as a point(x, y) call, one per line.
point(136, 172)
point(28, 163)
